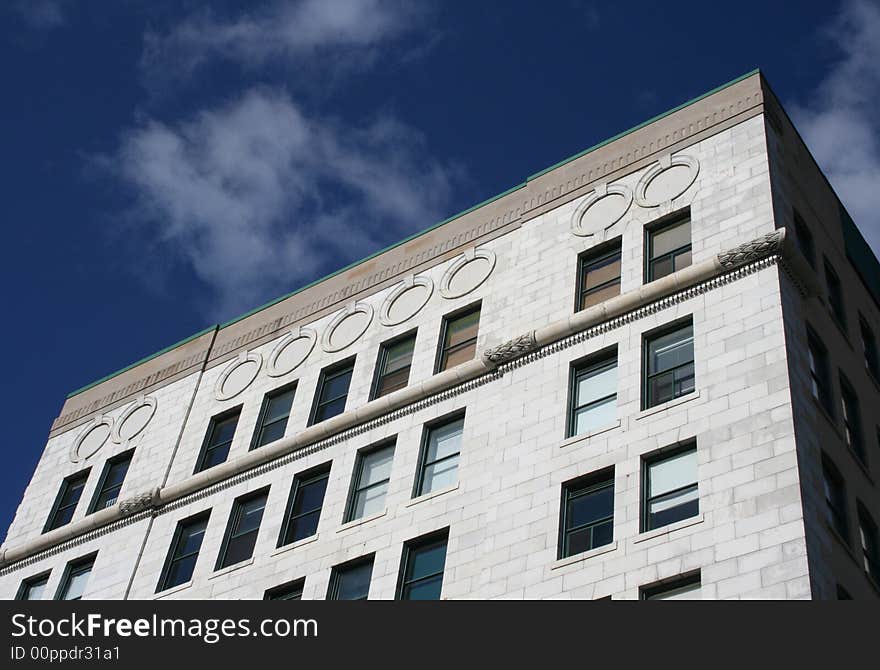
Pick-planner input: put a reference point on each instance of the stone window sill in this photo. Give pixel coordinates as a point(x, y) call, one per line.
point(574, 439)
point(232, 568)
point(693, 395)
point(671, 528)
point(173, 590)
point(585, 556)
point(432, 494)
point(295, 545)
point(360, 522)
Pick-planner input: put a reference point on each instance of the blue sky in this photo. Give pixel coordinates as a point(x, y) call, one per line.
point(170, 165)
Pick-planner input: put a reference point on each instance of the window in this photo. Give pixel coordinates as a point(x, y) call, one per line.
point(685, 588)
point(598, 275)
point(111, 481)
point(351, 581)
point(304, 505)
point(669, 248)
point(671, 487)
point(593, 394)
point(184, 551)
point(218, 439)
point(458, 338)
point(669, 365)
point(441, 447)
point(76, 577)
point(852, 419)
point(869, 543)
point(290, 591)
point(421, 567)
point(835, 499)
point(804, 239)
point(393, 366)
point(274, 413)
point(587, 513)
point(370, 482)
point(869, 346)
point(835, 295)
point(67, 500)
point(820, 378)
point(332, 391)
point(33, 588)
point(242, 529)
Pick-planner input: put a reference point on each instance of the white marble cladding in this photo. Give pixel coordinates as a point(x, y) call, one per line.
point(504, 514)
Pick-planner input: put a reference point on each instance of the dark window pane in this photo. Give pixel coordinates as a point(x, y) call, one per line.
point(279, 406)
point(591, 507)
point(353, 583)
point(427, 561)
point(336, 386)
point(310, 496)
point(671, 238)
point(428, 589)
point(600, 295)
point(215, 457)
point(272, 432)
point(331, 409)
point(462, 328)
point(460, 355)
point(303, 526)
point(181, 571)
point(224, 430)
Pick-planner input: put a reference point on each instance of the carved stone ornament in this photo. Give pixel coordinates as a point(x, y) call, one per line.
point(291, 351)
point(406, 300)
point(238, 375)
point(347, 327)
point(600, 210)
point(91, 439)
point(666, 179)
point(754, 250)
point(134, 419)
point(139, 502)
point(467, 272)
point(512, 349)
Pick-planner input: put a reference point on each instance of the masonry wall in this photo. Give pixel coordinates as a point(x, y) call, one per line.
point(503, 516)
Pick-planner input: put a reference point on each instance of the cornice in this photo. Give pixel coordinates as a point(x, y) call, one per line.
point(725, 267)
point(625, 153)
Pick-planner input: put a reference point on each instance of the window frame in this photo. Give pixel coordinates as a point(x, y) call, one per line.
point(329, 372)
point(840, 518)
point(300, 480)
point(429, 540)
point(382, 359)
point(834, 290)
point(659, 456)
point(589, 365)
point(285, 589)
point(442, 350)
point(869, 348)
point(651, 591)
point(655, 334)
point(235, 516)
point(870, 554)
point(354, 487)
point(815, 345)
point(851, 417)
point(70, 571)
point(264, 409)
point(805, 241)
point(337, 570)
point(427, 429)
point(62, 491)
point(584, 485)
point(171, 558)
point(29, 582)
point(658, 226)
point(105, 473)
point(212, 426)
point(591, 257)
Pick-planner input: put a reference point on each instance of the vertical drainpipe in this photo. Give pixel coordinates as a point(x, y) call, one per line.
point(189, 407)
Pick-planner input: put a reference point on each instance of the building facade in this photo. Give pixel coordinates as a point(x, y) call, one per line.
point(650, 371)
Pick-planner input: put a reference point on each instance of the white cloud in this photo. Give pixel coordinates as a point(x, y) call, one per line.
point(283, 30)
point(255, 197)
point(841, 123)
point(41, 14)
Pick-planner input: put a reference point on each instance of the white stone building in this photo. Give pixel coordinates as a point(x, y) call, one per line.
point(633, 375)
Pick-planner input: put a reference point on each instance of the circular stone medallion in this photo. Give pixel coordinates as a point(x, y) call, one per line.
point(238, 375)
point(91, 439)
point(347, 326)
point(666, 180)
point(406, 300)
point(291, 352)
point(134, 419)
point(601, 210)
point(467, 272)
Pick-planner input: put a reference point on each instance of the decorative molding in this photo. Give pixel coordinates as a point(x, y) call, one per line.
point(594, 228)
point(657, 296)
point(662, 167)
point(469, 258)
point(753, 250)
point(243, 370)
point(142, 402)
point(347, 315)
point(408, 285)
point(86, 444)
point(518, 346)
point(141, 501)
point(273, 369)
